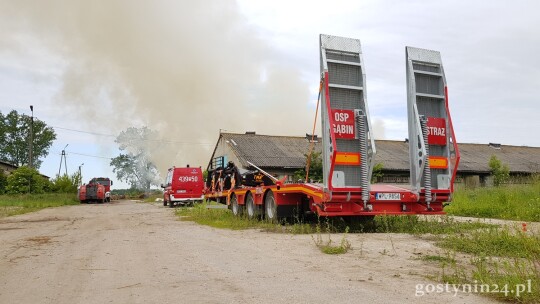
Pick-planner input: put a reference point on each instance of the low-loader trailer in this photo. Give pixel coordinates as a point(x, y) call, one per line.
point(349, 148)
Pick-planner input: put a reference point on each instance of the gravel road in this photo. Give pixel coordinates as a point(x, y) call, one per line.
point(128, 252)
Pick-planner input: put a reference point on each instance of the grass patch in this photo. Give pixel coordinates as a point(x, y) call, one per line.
point(424, 225)
point(438, 258)
point(499, 257)
point(24, 203)
point(152, 198)
point(512, 202)
point(326, 246)
point(503, 242)
point(222, 218)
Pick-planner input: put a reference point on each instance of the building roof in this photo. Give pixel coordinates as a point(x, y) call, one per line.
point(474, 157)
point(268, 151)
point(7, 164)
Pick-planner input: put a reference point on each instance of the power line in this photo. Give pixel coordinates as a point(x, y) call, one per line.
point(82, 154)
point(149, 140)
point(80, 131)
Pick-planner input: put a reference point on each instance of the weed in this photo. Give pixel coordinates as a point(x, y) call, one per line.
point(327, 247)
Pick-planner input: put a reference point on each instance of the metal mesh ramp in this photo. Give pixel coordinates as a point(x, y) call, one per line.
point(431, 138)
point(348, 144)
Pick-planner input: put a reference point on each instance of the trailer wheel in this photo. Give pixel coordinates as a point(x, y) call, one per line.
point(237, 210)
point(164, 203)
point(171, 204)
point(253, 210)
point(270, 207)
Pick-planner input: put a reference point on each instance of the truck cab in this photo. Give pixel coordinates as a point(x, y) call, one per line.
point(183, 186)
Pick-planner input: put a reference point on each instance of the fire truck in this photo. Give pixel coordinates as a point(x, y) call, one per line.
point(98, 190)
point(349, 148)
point(183, 186)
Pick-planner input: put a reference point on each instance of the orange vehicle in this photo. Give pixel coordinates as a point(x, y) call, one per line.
point(183, 186)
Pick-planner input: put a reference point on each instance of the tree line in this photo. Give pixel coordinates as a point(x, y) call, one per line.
point(133, 165)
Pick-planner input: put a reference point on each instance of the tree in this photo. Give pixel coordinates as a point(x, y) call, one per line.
point(500, 171)
point(315, 168)
point(377, 173)
point(14, 139)
point(25, 180)
point(135, 166)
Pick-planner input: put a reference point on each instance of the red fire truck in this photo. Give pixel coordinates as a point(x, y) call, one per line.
point(183, 186)
point(98, 190)
point(349, 148)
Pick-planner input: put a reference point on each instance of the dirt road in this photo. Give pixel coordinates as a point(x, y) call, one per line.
point(127, 252)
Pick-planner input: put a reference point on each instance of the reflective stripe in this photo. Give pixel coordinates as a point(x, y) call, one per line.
point(347, 158)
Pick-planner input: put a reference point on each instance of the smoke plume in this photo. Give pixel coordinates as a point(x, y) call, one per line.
point(185, 69)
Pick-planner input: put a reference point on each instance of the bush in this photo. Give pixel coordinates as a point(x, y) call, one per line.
point(500, 171)
point(3, 181)
point(66, 184)
point(25, 180)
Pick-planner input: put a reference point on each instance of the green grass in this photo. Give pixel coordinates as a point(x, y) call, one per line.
point(327, 247)
point(424, 225)
point(501, 256)
point(24, 203)
point(511, 202)
point(504, 242)
point(222, 218)
point(152, 198)
point(438, 258)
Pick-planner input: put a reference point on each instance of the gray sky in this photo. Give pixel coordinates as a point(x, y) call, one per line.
point(189, 69)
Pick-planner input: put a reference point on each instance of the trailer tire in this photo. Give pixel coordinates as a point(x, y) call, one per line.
point(164, 203)
point(270, 207)
point(171, 204)
point(236, 208)
point(253, 211)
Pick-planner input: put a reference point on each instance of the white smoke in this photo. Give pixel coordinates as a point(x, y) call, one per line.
point(183, 68)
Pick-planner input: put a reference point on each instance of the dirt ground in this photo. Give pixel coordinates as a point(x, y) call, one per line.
point(128, 252)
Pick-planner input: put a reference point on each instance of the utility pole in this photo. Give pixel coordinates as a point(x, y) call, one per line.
point(30, 152)
point(63, 156)
point(80, 174)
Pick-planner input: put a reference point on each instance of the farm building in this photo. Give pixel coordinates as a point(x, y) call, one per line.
point(7, 167)
point(283, 155)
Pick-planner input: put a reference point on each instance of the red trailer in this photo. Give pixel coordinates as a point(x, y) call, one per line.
point(349, 148)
